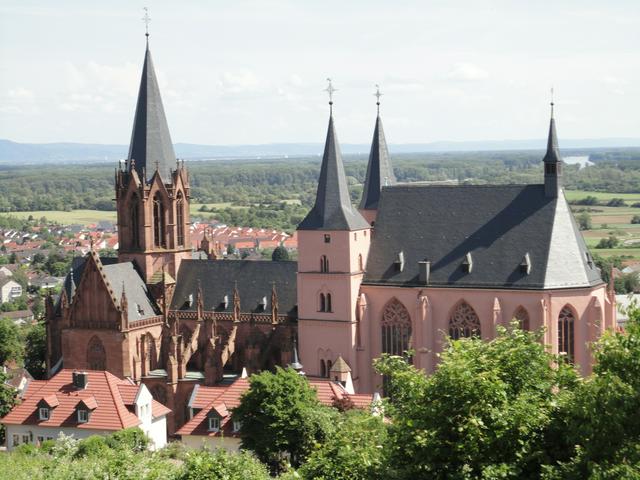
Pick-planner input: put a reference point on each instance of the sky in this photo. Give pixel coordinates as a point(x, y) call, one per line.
point(253, 72)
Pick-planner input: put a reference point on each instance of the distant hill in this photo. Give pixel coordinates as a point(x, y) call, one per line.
point(40, 153)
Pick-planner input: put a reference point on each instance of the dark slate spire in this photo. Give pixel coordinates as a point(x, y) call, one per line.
point(379, 170)
point(151, 145)
point(333, 209)
point(552, 162)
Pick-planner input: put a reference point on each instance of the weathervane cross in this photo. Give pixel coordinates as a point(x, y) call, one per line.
point(147, 20)
point(378, 95)
point(330, 90)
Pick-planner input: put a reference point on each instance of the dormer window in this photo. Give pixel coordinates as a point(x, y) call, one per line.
point(83, 415)
point(525, 264)
point(262, 305)
point(214, 424)
point(43, 413)
point(140, 309)
point(399, 263)
point(467, 263)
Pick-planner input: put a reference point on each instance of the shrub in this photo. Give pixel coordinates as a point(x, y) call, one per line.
point(220, 465)
point(616, 202)
point(92, 446)
point(132, 439)
point(635, 219)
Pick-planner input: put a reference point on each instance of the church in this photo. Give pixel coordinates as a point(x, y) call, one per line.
point(410, 265)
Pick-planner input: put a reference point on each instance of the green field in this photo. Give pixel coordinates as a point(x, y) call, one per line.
point(83, 217)
point(602, 196)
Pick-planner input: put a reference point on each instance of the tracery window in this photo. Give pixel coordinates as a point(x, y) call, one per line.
point(464, 322)
point(96, 355)
point(134, 222)
point(180, 219)
point(522, 316)
point(566, 340)
point(159, 237)
point(396, 328)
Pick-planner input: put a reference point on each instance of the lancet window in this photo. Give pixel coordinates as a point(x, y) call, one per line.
point(464, 322)
point(566, 340)
point(396, 328)
point(522, 316)
point(180, 219)
point(159, 230)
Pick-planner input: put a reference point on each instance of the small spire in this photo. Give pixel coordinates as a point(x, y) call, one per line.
point(330, 90)
point(378, 95)
point(296, 365)
point(147, 20)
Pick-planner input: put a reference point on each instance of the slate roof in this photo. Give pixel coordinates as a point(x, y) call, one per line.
point(379, 170)
point(111, 409)
point(254, 279)
point(150, 140)
point(332, 209)
point(124, 275)
point(553, 152)
point(496, 225)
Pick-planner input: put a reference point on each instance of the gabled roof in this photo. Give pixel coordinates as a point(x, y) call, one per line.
point(379, 170)
point(333, 209)
point(326, 390)
point(497, 225)
point(253, 279)
point(103, 390)
point(151, 145)
point(124, 276)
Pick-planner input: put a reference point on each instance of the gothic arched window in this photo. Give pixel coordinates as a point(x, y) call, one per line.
point(396, 328)
point(96, 355)
point(159, 237)
point(522, 316)
point(566, 321)
point(324, 264)
point(329, 365)
point(135, 222)
point(322, 307)
point(329, 308)
point(464, 322)
point(180, 219)
point(360, 263)
point(323, 368)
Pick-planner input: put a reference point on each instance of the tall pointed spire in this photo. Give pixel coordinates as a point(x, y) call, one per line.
point(552, 160)
point(333, 209)
point(151, 146)
point(379, 169)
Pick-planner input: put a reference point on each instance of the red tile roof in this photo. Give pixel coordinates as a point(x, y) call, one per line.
point(108, 395)
point(230, 396)
point(203, 396)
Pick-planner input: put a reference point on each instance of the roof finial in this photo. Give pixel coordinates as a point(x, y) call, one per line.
point(552, 104)
point(146, 19)
point(378, 95)
point(330, 91)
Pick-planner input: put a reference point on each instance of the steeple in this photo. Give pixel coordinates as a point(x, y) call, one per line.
point(552, 161)
point(379, 170)
point(333, 209)
point(151, 146)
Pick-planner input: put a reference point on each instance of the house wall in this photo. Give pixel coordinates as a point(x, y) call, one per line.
point(10, 291)
point(431, 308)
point(230, 444)
point(34, 431)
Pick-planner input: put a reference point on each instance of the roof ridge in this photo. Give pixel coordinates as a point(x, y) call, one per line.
point(119, 403)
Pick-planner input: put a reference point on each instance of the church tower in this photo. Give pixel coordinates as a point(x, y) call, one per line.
point(333, 243)
point(552, 162)
point(379, 170)
point(152, 189)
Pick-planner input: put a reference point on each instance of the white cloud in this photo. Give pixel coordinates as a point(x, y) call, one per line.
point(467, 72)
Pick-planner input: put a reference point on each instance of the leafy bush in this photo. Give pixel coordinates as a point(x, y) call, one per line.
point(611, 242)
point(616, 202)
point(132, 439)
point(92, 446)
point(635, 219)
point(220, 465)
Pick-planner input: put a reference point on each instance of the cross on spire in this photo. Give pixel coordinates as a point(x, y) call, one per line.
point(147, 20)
point(378, 95)
point(330, 91)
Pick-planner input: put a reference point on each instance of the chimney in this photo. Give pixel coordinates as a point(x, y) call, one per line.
point(424, 269)
point(80, 380)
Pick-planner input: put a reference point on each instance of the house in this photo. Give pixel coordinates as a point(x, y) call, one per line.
point(19, 317)
point(5, 271)
point(82, 404)
point(17, 378)
point(210, 409)
point(46, 282)
point(9, 290)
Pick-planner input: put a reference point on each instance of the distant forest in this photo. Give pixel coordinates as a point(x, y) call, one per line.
point(266, 185)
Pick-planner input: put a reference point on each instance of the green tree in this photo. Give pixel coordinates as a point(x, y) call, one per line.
point(584, 221)
point(482, 414)
point(280, 254)
point(10, 342)
point(221, 465)
point(635, 219)
point(282, 418)
point(354, 452)
point(35, 351)
point(600, 420)
point(7, 401)
point(13, 258)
